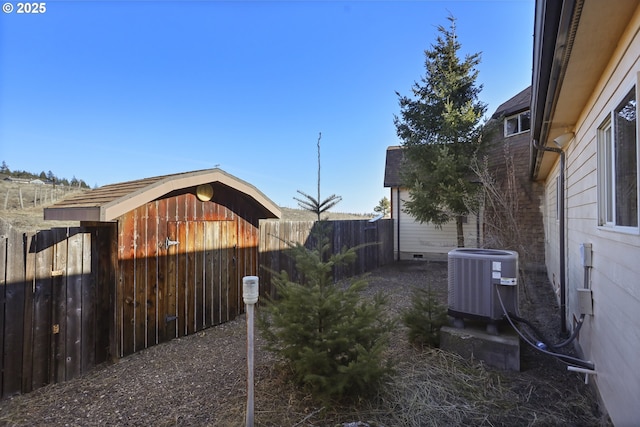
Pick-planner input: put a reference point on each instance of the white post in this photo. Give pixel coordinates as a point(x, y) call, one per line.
point(250, 290)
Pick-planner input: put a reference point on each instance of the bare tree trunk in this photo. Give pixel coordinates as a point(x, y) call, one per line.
point(460, 232)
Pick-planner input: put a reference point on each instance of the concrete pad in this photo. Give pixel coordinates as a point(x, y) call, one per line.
point(499, 351)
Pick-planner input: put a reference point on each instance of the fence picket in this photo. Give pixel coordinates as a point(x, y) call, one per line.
point(14, 292)
point(42, 250)
point(278, 236)
point(29, 314)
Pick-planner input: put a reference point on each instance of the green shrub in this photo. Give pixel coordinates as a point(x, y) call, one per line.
point(332, 337)
point(424, 318)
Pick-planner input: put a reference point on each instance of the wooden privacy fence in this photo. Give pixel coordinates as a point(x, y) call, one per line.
point(277, 236)
point(54, 316)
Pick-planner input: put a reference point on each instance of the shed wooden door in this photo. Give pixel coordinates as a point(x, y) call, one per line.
point(201, 284)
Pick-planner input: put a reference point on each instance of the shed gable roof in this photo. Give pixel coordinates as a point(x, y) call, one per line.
point(395, 158)
point(111, 201)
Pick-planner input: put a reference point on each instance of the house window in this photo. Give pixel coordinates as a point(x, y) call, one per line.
point(618, 166)
point(516, 124)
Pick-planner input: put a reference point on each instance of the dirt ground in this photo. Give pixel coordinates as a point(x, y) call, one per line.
point(200, 380)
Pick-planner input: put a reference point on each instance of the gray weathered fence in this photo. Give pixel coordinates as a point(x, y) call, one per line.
point(53, 313)
point(57, 288)
point(278, 236)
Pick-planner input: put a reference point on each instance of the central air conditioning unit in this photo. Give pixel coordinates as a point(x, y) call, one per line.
point(475, 277)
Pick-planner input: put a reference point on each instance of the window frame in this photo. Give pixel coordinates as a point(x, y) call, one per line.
point(606, 168)
point(517, 116)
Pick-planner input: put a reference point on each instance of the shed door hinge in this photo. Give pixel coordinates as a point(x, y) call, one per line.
point(170, 242)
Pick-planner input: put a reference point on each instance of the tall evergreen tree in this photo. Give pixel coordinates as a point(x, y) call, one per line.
point(440, 129)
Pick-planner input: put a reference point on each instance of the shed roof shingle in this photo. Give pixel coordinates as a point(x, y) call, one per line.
point(110, 201)
point(395, 158)
point(520, 102)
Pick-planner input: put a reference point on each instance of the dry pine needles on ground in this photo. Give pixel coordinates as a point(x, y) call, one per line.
point(199, 380)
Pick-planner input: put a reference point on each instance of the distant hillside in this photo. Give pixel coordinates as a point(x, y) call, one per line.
point(21, 204)
point(48, 178)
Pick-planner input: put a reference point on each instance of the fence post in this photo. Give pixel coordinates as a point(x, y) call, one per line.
point(250, 290)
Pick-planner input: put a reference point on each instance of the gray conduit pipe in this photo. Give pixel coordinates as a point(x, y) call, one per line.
point(585, 364)
point(563, 297)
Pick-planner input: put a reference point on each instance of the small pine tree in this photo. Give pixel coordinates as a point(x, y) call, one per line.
point(332, 338)
point(313, 204)
point(424, 318)
point(384, 205)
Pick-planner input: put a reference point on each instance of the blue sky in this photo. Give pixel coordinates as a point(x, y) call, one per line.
point(111, 91)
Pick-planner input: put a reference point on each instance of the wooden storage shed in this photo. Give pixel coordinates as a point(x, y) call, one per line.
point(174, 251)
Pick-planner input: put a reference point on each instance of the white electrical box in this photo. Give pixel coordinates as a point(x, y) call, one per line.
point(585, 255)
point(585, 301)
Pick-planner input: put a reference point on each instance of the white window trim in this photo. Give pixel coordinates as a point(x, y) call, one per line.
point(506, 119)
point(607, 122)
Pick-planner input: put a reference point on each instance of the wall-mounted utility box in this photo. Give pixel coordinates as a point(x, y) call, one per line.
point(586, 255)
point(585, 301)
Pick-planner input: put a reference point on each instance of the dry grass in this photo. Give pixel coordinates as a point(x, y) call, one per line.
point(21, 205)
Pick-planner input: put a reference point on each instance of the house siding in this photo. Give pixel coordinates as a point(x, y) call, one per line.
point(611, 336)
point(424, 240)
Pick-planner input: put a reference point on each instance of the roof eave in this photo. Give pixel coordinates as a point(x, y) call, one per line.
point(74, 214)
point(572, 60)
point(553, 20)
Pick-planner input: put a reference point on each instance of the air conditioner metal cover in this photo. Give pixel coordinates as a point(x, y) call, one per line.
point(474, 277)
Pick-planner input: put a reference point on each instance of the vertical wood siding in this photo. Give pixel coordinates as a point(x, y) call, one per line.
point(168, 291)
point(72, 298)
